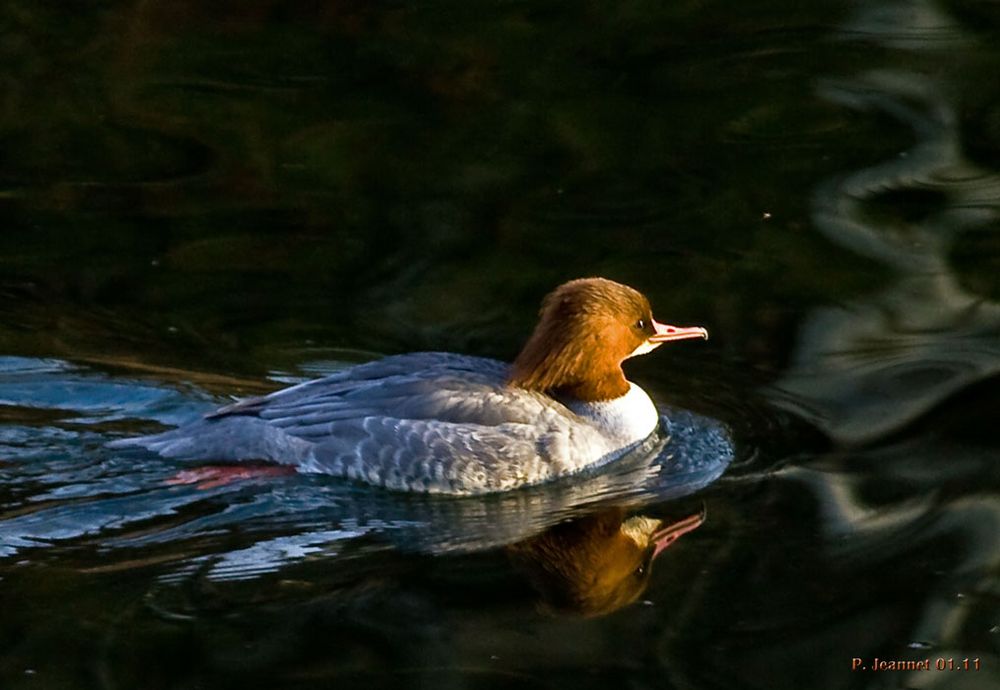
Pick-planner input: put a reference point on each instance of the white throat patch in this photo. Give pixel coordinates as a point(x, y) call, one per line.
point(644, 348)
point(630, 418)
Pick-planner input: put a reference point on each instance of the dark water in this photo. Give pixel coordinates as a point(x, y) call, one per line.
point(200, 200)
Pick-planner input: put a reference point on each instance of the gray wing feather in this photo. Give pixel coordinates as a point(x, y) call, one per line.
point(391, 374)
point(433, 422)
point(434, 456)
point(441, 386)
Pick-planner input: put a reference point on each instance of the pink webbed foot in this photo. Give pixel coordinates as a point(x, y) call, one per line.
point(211, 476)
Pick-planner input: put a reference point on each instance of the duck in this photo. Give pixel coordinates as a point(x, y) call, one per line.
point(445, 423)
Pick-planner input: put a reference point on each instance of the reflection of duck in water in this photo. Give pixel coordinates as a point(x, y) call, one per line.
point(446, 423)
point(599, 563)
point(375, 616)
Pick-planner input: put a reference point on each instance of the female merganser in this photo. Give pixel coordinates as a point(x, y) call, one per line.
point(455, 424)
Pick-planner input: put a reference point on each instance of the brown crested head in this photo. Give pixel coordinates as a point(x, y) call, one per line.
point(586, 328)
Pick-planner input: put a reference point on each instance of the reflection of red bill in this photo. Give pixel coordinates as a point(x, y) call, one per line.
point(219, 475)
point(666, 536)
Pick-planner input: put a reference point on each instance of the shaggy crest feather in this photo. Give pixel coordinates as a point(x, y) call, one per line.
point(586, 329)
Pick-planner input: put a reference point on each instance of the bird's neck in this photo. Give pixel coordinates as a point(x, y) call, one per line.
point(610, 385)
point(577, 379)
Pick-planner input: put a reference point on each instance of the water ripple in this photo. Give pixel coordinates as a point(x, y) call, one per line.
point(866, 369)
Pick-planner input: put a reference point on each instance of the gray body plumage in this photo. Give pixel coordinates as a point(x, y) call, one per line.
point(428, 422)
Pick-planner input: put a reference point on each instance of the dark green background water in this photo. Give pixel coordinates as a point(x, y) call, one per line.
point(205, 199)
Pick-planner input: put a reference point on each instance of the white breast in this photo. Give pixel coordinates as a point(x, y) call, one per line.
point(630, 418)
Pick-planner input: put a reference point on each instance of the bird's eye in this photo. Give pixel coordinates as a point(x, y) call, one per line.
point(640, 571)
point(641, 324)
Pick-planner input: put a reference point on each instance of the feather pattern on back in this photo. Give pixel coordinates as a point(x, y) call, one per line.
point(432, 422)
